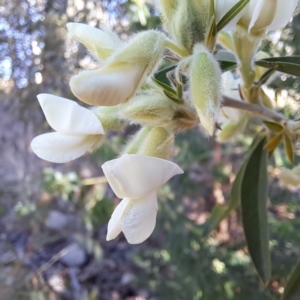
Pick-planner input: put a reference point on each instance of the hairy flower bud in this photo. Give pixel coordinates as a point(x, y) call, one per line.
point(205, 81)
point(109, 116)
point(167, 10)
point(157, 143)
point(189, 23)
point(123, 73)
point(135, 142)
point(150, 110)
point(100, 42)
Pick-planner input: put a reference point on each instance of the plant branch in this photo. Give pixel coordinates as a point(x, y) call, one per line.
point(263, 111)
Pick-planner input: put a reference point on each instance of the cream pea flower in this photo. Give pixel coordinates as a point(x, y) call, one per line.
point(123, 73)
point(267, 14)
point(77, 130)
point(221, 9)
point(290, 177)
point(136, 178)
point(100, 42)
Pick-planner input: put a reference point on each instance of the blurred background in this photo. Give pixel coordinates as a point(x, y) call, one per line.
point(53, 218)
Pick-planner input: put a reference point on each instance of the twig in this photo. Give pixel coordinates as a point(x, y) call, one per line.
point(254, 108)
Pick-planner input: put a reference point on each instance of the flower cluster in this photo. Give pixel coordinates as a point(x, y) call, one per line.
point(125, 90)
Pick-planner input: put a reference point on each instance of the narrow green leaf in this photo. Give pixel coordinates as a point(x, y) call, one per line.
point(173, 98)
point(274, 142)
point(231, 14)
point(227, 65)
point(254, 192)
point(265, 77)
point(288, 64)
point(218, 213)
point(289, 148)
point(211, 35)
point(292, 287)
point(273, 126)
point(161, 74)
point(221, 212)
point(226, 59)
point(164, 86)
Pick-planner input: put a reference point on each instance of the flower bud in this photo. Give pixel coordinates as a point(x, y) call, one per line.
point(205, 81)
point(134, 143)
point(150, 110)
point(167, 10)
point(100, 42)
point(109, 116)
point(123, 73)
point(190, 23)
point(157, 143)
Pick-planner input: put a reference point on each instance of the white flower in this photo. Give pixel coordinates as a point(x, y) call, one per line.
point(290, 177)
point(136, 178)
point(123, 73)
point(267, 14)
point(77, 130)
point(100, 42)
point(221, 9)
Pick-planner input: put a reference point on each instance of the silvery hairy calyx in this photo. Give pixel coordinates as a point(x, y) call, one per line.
point(216, 80)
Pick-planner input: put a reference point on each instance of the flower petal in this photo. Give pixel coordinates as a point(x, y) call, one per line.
point(289, 177)
point(222, 8)
point(114, 224)
point(284, 13)
point(139, 219)
point(60, 148)
point(256, 12)
point(101, 43)
point(135, 176)
point(67, 117)
point(108, 86)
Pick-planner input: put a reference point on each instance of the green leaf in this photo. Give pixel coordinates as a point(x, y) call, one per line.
point(161, 75)
point(273, 126)
point(164, 86)
point(292, 287)
point(218, 213)
point(174, 98)
point(221, 212)
point(266, 76)
point(254, 192)
point(227, 65)
point(288, 64)
point(274, 142)
point(289, 148)
point(231, 14)
point(227, 60)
